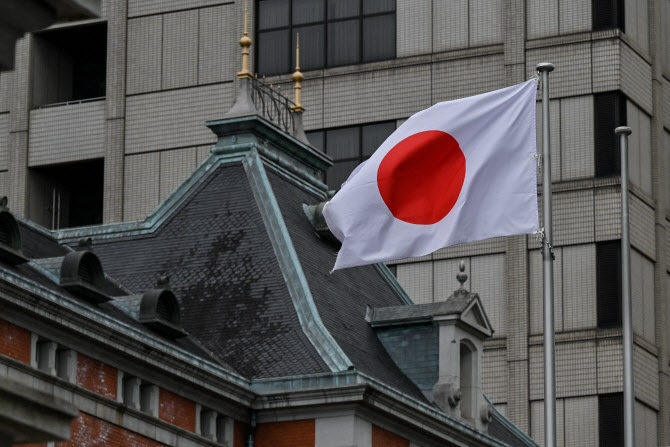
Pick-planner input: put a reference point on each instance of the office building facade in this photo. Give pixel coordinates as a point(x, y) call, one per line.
point(102, 119)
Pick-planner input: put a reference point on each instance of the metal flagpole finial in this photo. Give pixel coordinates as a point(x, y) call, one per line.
point(623, 130)
point(545, 66)
point(245, 43)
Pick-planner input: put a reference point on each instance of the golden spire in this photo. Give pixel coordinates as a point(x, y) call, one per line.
point(245, 43)
point(297, 77)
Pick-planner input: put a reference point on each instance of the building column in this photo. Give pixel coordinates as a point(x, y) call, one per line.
point(115, 112)
point(18, 128)
point(659, 190)
point(516, 261)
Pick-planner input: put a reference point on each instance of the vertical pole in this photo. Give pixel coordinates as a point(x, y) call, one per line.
point(548, 268)
point(626, 305)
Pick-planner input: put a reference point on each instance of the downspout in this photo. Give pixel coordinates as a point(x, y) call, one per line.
point(252, 428)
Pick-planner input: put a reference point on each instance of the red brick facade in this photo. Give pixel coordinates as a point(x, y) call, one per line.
point(285, 434)
point(87, 430)
point(14, 342)
point(240, 433)
point(176, 410)
point(96, 376)
point(384, 438)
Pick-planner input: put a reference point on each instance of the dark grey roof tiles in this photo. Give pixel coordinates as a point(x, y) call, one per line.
point(454, 305)
point(223, 270)
point(341, 297)
point(36, 244)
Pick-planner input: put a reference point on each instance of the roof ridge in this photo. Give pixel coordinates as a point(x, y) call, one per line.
point(308, 315)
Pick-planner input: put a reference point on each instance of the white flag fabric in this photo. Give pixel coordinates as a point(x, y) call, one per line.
point(457, 172)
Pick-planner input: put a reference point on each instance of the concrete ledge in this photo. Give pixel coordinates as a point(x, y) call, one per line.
point(28, 415)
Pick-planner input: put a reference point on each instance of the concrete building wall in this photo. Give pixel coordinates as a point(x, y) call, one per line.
point(173, 68)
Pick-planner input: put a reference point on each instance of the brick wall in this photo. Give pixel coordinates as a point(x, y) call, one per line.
point(286, 434)
point(384, 438)
point(176, 410)
point(14, 342)
point(87, 430)
point(240, 433)
point(96, 376)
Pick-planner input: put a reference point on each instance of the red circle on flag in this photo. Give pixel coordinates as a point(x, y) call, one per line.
point(421, 177)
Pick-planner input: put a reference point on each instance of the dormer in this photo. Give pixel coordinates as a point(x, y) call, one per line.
point(159, 310)
point(81, 273)
point(10, 236)
point(439, 346)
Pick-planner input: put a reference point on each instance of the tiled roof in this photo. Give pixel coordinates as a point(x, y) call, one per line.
point(223, 270)
point(343, 296)
point(454, 305)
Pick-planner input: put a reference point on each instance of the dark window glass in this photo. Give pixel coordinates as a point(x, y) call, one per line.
point(339, 173)
point(307, 11)
point(341, 9)
point(609, 113)
point(608, 14)
point(344, 143)
point(316, 139)
point(67, 195)
point(374, 135)
point(311, 47)
point(378, 38)
point(272, 14)
point(272, 52)
point(377, 6)
point(608, 273)
point(394, 269)
point(69, 64)
point(333, 33)
point(610, 420)
point(343, 43)
point(349, 147)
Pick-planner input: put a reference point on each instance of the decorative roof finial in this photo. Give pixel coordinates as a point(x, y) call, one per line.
point(462, 276)
point(297, 78)
point(245, 43)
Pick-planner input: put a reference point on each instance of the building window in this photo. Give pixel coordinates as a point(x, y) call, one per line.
point(608, 272)
point(609, 113)
point(332, 33)
point(610, 420)
point(349, 147)
point(67, 195)
point(69, 64)
point(608, 14)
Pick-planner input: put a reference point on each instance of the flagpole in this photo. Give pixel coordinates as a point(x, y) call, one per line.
point(626, 306)
point(548, 268)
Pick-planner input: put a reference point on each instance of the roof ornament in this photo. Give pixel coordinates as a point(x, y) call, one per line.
point(85, 244)
point(244, 105)
point(297, 78)
point(297, 109)
point(461, 276)
point(245, 43)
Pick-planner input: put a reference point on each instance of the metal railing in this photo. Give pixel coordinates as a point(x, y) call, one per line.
point(272, 105)
point(69, 103)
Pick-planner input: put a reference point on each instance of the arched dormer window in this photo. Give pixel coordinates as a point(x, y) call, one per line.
point(10, 236)
point(81, 273)
point(159, 310)
point(468, 375)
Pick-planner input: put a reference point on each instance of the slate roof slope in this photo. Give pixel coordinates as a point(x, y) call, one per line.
point(341, 297)
point(223, 270)
point(37, 244)
point(46, 255)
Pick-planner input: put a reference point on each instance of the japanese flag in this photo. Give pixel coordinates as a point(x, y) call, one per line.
point(457, 172)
